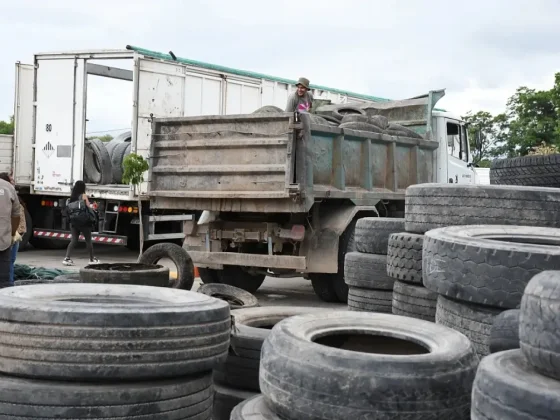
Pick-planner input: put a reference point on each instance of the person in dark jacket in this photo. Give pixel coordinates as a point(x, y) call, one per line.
point(79, 194)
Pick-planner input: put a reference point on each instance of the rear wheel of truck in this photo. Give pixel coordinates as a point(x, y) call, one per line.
point(238, 277)
point(209, 275)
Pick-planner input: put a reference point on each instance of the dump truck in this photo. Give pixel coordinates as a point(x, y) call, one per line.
point(279, 194)
point(51, 148)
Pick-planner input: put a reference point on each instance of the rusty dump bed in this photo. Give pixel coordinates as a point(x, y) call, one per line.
point(268, 163)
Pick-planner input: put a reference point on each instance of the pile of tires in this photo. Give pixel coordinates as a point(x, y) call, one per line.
point(237, 379)
point(104, 351)
point(482, 244)
point(369, 287)
point(103, 161)
point(525, 383)
point(350, 365)
point(534, 171)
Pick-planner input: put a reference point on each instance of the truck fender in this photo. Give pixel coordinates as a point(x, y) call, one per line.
point(321, 246)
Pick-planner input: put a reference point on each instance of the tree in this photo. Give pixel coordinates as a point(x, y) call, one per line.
point(134, 167)
point(106, 138)
point(484, 131)
point(7, 127)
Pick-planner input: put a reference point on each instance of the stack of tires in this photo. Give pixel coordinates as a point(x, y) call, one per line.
point(98, 351)
point(350, 365)
point(365, 270)
point(534, 171)
point(525, 383)
point(482, 245)
point(237, 379)
point(404, 264)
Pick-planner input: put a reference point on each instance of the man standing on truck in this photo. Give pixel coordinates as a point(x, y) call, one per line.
point(9, 223)
point(301, 100)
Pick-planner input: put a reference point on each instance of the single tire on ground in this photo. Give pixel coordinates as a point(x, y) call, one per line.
point(236, 298)
point(409, 367)
point(474, 321)
point(181, 259)
point(404, 257)
point(414, 301)
point(238, 277)
point(125, 273)
point(254, 408)
point(539, 323)
point(370, 300)
point(372, 233)
point(367, 271)
point(180, 398)
point(100, 332)
point(225, 400)
point(504, 334)
point(507, 387)
point(119, 153)
point(361, 126)
point(251, 327)
point(97, 162)
point(431, 206)
point(534, 171)
point(488, 265)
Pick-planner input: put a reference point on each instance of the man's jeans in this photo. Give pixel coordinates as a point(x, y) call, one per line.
point(5, 264)
point(13, 256)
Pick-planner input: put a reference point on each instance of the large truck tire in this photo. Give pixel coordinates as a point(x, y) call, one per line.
point(268, 109)
point(414, 301)
point(124, 273)
point(185, 397)
point(323, 286)
point(369, 300)
point(367, 271)
point(404, 257)
point(181, 259)
point(251, 327)
point(474, 321)
point(406, 132)
point(119, 153)
point(362, 126)
point(97, 162)
point(431, 206)
point(372, 233)
point(504, 334)
point(488, 265)
point(533, 171)
point(236, 298)
point(400, 375)
point(254, 408)
point(100, 332)
point(236, 276)
point(539, 323)
point(208, 275)
point(507, 387)
point(226, 399)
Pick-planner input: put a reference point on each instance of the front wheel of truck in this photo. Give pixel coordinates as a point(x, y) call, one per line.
point(238, 277)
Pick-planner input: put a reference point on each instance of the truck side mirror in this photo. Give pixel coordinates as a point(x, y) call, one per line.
point(478, 139)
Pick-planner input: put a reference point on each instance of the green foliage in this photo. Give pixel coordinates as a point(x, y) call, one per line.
point(134, 167)
point(7, 127)
point(543, 149)
point(531, 124)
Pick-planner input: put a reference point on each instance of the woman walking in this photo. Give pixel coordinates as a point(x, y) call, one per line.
point(81, 218)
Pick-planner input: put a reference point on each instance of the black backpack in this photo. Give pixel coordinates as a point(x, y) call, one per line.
point(79, 214)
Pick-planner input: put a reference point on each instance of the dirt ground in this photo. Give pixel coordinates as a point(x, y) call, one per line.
point(283, 292)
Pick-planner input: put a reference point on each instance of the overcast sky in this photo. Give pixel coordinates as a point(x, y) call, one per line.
point(480, 51)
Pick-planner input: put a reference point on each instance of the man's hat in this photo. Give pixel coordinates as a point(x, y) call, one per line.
point(304, 82)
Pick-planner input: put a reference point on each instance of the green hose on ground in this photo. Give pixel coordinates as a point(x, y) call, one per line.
point(26, 272)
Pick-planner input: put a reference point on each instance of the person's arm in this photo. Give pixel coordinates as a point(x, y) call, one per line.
point(15, 210)
point(84, 197)
point(292, 103)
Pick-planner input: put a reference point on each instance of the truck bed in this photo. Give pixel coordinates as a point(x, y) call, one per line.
point(268, 163)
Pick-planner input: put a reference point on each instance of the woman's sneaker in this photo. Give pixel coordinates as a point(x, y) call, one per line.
point(94, 261)
point(67, 261)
